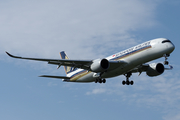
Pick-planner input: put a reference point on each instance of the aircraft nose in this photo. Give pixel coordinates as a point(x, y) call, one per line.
point(171, 47)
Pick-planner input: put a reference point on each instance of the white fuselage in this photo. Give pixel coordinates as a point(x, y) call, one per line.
point(134, 57)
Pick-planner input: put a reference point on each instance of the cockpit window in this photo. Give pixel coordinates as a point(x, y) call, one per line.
point(166, 41)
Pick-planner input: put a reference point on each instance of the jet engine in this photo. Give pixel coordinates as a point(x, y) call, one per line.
point(155, 69)
point(99, 65)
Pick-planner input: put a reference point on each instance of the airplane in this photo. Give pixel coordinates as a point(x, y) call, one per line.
point(126, 62)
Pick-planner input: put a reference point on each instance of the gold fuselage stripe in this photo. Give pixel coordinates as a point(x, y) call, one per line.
point(85, 72)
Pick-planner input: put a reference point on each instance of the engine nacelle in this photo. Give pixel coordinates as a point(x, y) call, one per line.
point(155, 69)
point(99, 65)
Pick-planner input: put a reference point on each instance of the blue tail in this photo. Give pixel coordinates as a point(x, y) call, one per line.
point(67, 68)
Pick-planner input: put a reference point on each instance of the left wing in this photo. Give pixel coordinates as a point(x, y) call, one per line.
point(140, 68)
point(144, 68)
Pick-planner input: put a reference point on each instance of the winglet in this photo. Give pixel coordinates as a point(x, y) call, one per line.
point(12, 55)
point(9, 54)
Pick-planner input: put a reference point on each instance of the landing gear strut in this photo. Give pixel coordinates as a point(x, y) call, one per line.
point(166, 57)
point(127, 82)
point(100, 80)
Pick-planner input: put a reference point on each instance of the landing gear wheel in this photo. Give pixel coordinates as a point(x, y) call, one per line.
point(104, 80)
point(99, 80)
point(123, 82)
point(166, 57)
point(132, 82)
point(166, 63)
point(127, 82)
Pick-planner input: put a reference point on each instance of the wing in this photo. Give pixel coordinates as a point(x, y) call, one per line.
point(144, 67)
point(140, 68)
point(84, 64)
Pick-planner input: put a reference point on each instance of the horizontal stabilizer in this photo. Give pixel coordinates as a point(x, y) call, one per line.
point(58, 77)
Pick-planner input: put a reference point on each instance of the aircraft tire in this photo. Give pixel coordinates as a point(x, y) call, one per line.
point(100, 81)
point(104, 80)
point(166, 63)
point(132, 82)
point(123, 82)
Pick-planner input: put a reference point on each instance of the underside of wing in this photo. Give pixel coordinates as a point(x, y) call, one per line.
point(153, 69)
point(140, 68)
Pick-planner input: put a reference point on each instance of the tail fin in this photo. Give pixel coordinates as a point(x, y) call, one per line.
point(67, 68)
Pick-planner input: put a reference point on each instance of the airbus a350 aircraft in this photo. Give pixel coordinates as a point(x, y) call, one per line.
point(124, 63)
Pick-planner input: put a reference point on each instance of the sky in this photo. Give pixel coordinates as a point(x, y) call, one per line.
point(88, 29)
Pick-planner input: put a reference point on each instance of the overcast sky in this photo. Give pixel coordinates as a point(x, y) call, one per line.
point(85, 30)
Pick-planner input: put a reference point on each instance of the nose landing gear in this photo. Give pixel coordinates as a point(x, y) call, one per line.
point(127, 82)
point(166, 57)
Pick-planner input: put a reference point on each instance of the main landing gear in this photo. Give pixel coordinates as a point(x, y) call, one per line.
point(127, 82)
point(166, 57)
point(100, 80)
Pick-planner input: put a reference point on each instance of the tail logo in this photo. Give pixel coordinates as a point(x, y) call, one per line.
point(67, 68)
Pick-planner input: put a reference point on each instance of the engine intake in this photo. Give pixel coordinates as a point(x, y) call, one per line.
point(155, 69)
point(99, 65)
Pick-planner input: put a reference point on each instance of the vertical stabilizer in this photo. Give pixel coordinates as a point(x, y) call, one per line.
point(68, 69)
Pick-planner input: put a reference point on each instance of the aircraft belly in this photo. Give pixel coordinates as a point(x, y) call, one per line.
point(87, 78)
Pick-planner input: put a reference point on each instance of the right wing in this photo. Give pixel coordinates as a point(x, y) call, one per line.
point(83, 64)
